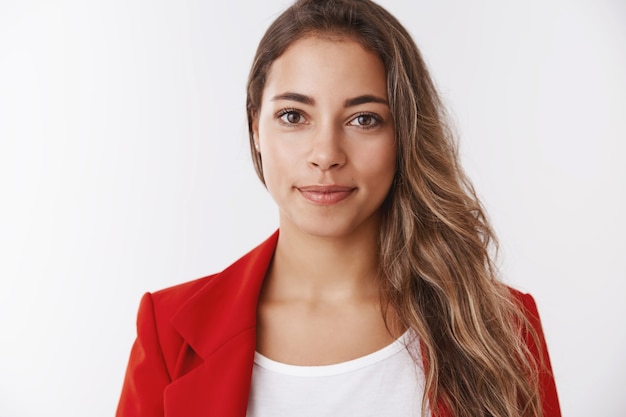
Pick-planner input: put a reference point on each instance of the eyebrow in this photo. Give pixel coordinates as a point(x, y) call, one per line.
point(304, 99)
point(363, 100)
point(300, 98)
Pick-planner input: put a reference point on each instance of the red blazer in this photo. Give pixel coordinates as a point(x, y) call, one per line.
point(195, 345)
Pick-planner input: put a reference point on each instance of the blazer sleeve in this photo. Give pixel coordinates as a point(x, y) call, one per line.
point(146, 374)
point(547, 386)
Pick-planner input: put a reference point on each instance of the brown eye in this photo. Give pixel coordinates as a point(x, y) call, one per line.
point(365, 121)
point(291, 117)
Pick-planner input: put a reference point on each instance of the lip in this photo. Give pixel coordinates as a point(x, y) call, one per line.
point(325, 195)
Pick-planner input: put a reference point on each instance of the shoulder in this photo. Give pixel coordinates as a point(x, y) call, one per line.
point(156, 314)
point(532, 330)
point(170, 299)
point(536, 343)
point(522, 297)
point(526, 302)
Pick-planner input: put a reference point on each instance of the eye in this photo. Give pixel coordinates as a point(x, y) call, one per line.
point(290, 117)
point(365, 120)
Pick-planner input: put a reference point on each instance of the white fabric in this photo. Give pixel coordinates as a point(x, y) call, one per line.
point(387, 382)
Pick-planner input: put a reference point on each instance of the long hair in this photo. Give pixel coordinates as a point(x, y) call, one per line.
point(435, 240)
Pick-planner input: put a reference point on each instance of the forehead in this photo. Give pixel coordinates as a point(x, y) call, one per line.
point(317, 63)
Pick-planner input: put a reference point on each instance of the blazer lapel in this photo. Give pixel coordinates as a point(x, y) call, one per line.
point(218, 325)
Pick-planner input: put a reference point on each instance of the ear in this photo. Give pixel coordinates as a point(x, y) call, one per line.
point(255, 131)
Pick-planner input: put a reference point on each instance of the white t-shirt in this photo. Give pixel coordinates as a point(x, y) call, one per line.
point(388, 382)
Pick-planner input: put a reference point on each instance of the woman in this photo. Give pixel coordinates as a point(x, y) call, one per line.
point(378, 296)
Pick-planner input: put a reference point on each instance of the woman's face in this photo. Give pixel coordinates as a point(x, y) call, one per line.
point(326, 137)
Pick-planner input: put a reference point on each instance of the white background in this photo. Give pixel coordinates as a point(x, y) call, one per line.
point(124, 168)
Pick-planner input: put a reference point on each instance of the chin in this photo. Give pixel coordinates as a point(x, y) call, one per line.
point(334, 228)
point(327, 232)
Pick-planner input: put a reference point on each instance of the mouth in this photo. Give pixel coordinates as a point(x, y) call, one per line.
point(325, 194)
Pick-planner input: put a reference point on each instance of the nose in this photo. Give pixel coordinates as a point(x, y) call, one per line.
point(327, 149)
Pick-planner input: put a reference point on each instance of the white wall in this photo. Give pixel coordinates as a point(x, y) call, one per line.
point(124, 168)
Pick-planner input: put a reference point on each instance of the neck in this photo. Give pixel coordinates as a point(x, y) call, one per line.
point(323, 268)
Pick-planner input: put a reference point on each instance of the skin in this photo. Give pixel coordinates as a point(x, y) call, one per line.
point(326, 138)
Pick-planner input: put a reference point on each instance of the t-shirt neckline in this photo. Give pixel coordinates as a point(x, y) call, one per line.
point(334, 369)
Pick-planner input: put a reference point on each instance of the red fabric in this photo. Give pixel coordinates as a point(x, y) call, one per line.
point(547, 387)
point(195, 345)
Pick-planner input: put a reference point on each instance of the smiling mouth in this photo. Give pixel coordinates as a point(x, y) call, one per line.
point(325, 194)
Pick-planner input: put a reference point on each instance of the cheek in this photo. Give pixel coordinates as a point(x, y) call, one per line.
point(278, 163)
point(381, 161)
point(384, 170)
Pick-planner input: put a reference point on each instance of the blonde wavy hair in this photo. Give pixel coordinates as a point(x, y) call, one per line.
point(435, 240)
